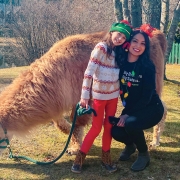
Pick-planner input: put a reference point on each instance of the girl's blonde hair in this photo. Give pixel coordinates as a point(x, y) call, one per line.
point(108, 40)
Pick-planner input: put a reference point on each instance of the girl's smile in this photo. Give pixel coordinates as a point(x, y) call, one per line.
point(118, 38)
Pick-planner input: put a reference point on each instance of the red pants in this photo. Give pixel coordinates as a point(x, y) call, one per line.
point(107, 107)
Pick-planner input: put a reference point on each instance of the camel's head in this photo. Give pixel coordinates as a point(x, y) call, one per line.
point(5, 138)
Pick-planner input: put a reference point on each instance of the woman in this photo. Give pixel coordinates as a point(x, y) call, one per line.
point(142, 106)
point(104, 72)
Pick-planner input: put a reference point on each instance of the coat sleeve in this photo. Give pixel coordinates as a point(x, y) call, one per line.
point(96, 57)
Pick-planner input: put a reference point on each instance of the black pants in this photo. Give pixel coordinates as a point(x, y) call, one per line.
point(132, 132)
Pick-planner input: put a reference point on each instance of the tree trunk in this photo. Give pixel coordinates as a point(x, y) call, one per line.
point(118, 10)
point(126, 12)
point(171, 33)
point(4, 22)
point(152, 10)
point(164, 16)
point(136, 13)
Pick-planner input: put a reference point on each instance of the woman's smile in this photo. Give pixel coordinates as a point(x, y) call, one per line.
point(137, 46)
point(135, 49)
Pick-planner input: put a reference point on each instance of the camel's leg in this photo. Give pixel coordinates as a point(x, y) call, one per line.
point(78, 132)
point(158, 130)
point(76, 140)
point(63, 125)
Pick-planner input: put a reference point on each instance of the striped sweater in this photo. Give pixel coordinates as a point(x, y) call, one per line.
point(104, 73)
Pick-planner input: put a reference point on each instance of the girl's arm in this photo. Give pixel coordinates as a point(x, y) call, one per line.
point(95, 59)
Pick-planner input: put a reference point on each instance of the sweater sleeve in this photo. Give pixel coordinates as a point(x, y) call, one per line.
point(149, 86)
point(95, 59)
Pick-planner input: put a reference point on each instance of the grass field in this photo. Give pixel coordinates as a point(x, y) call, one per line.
point(46, 143)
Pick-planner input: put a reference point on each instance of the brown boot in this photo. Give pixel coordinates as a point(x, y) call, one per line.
point(79, 160)
point(106, 162)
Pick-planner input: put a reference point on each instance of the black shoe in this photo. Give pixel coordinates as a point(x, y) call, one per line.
point(126, 153)
point(142, 162)
point(76, 168)
point(109, 168)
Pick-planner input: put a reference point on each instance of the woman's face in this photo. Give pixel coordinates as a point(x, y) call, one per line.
point(137, 45)
point(117, 38)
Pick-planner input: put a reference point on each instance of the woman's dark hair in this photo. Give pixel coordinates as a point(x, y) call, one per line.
point(144, 58)
point(120, 56)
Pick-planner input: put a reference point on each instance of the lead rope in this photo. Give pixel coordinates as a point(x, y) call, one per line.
point(78, 112)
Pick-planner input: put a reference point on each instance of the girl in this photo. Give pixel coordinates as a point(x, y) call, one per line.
point(142, 106)
point(104, 72)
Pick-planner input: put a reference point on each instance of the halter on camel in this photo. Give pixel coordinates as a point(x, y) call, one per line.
point(5, 139)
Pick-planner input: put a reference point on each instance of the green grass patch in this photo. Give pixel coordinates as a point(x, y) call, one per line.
point(46, 143)
point(8, 74)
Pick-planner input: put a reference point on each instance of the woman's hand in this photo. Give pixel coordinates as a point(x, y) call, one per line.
point(84, 103)
point(122, 120)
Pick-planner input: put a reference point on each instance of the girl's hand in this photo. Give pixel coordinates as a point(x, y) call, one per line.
point(84, 103)
point(122, 120)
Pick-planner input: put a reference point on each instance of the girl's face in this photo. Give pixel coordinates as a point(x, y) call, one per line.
point(137, 45)
point(117, 38)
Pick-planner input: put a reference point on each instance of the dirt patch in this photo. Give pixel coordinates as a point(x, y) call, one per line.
point(6, 81)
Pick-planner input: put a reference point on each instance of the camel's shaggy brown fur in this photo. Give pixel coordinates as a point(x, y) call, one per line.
point(157, 53)
point(52, 86)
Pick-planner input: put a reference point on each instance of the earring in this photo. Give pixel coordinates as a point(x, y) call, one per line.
point(126, 46)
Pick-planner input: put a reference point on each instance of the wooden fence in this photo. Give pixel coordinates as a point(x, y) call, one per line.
point(174, 57)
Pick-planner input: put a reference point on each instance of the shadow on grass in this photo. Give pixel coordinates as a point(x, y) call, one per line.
point(92, 167)
point(6, 81)
point(163, 163)
point(172, 132)
point(173, 81)
point(176, 111)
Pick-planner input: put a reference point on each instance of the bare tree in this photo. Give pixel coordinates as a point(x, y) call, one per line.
point(136, 13)
point(34, 29)
point(37, 24)
point(152, 11)
point(164, 15)
point(126, 11)
point(118, 10)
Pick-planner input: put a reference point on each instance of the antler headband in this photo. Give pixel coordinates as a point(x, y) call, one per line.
point(148, 29)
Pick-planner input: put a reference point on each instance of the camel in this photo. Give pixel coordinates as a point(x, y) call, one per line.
point(51, 86)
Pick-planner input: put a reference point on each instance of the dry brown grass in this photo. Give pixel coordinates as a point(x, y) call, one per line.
point(5, 41)
point(46, 143)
